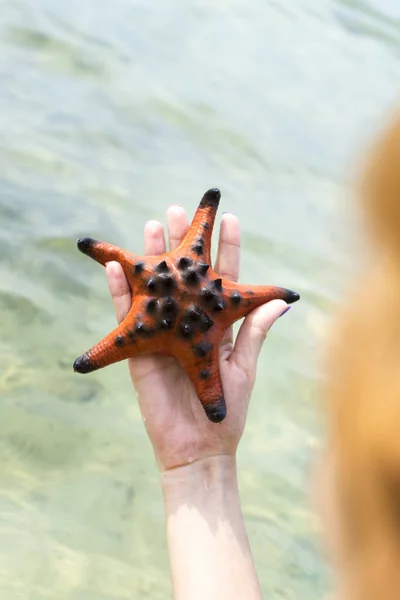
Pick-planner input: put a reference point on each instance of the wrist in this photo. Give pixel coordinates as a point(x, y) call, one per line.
point(214, 475)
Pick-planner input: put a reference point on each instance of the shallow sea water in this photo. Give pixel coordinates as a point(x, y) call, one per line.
point(109, 112)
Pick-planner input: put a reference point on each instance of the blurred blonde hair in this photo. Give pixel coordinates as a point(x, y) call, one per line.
point(364, 389)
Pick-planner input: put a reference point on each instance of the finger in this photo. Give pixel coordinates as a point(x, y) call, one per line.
point(228, 256)
point(178, 224)
point(228, 259)
point(119, 289)
point(154, 239)
point(253, 332)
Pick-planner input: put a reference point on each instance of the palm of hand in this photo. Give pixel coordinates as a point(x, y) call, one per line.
point(174, 418)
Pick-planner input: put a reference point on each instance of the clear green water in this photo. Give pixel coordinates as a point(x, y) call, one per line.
point(109, 112)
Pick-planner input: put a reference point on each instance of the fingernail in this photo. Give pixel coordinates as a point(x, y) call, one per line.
point(285, 311)
point(153, 224)
point(173, 205)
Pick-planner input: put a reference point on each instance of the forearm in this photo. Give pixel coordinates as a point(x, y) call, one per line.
point(210, 555)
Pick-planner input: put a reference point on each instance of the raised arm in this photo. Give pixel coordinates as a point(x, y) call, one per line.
point(210, 556)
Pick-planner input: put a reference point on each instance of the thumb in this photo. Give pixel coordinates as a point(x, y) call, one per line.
point(253, 332)
point(119, 290)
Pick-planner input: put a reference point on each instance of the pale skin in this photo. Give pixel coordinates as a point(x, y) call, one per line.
point(210, 556)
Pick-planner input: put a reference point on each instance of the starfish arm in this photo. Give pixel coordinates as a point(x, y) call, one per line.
point(103, 253)
point(120, 344)
point(240, 299)
point(147, 329)
point(205, 376)
point(197, 242)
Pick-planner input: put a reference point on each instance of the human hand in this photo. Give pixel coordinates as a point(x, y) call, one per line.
point(176, 423)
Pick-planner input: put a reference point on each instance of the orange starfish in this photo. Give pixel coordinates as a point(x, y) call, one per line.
point(180, 307)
